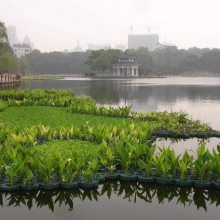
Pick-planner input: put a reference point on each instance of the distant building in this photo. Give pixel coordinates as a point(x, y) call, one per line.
point(19, 47)
point(125, 66)
point(21, 50)
point(12, 35)
point(151, 41)
point(98, 47)
point(78, 48)
point(28, 41)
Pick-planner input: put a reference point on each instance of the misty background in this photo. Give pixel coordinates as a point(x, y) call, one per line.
point(58, 25)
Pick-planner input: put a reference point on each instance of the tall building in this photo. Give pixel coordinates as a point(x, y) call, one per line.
point(12, 35)
point(135, 41)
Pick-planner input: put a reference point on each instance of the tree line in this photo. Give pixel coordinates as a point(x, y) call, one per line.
point(168, 60)
point(57, 62)
point(8, 62)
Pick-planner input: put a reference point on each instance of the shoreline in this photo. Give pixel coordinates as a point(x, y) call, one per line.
point(139, 77)
point(42, 77)
point(63, 76)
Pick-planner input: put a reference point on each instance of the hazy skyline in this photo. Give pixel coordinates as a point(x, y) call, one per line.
point(57, 25)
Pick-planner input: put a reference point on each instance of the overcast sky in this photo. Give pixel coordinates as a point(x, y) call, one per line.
point(58, 24)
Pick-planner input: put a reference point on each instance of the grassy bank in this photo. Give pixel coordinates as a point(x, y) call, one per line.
point(41, 77)
point(27, 116)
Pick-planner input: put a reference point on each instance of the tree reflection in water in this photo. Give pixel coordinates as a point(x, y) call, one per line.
point(150, 193)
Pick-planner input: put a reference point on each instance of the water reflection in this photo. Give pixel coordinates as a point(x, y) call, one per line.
point(151, 193)
point(10, 86)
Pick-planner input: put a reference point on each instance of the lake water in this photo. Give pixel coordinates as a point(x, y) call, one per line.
point(200, 97)
point(114, 201)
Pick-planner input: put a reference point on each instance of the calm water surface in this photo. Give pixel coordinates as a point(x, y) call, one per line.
point(114, 201)
point(200, 97)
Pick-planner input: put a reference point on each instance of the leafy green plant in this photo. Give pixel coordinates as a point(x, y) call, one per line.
point(87, 174)
point(28, 177)
point(146, 166)
point(162, 166)
point(45, 167)
point(183, 166)
point(94, 166)
point(124, 156)
point(69, 174)
point(202, 163)
point(12, 171)
point(111, 169)
point(215, 164)
point(107, 157)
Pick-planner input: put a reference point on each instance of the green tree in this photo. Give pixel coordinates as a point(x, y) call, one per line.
point(144, 58)
point(102, 60)
point(3, 33)
point(57, 62)
point(23, 65)
point(210, 61)
point(167, 60)
point(8, 63)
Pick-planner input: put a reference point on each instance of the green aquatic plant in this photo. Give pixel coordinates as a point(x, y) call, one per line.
point(69, 173)
point(215, 164)
point(68, 165)
point(45, 167)
point(1, 163)
point(184, 165)
point(12, 171)
point(107, 157)
point(124, 157)
point(28, 176)
point(202, 163)
point(3, 105)
point(141, 151)
point(87, 174)
point(111, 168)
point(94, 166)
point(38, 97)
point(170, 156)
point(201, 168)
point(162, 166)
point(146, 166)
